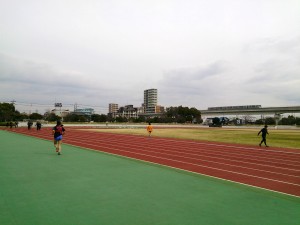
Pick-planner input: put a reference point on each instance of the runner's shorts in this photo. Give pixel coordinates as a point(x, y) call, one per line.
point(58, 138)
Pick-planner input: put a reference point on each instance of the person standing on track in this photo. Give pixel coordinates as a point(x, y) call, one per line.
point(29, 124)
point(58, 131)
point(149, 129)
point(264, 132)
point(38, 125)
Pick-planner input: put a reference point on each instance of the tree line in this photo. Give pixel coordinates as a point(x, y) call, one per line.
point(178, 114)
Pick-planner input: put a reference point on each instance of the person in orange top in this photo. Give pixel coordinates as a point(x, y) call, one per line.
point(149, 129)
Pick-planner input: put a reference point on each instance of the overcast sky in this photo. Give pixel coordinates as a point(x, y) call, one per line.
point(197, 53)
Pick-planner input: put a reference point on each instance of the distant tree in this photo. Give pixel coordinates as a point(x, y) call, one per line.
point(82, 118)
point(181, 119)
point(99, 118)
point(110, 118)
point(259, 122)
point(182, 114)
point(196, 115)
point(140, 119)
point(72, 117)
point(18, 116)
point(103, 118)
point(297, 121)
point(156, 120)
point(270, 121)
point(35, 116)
point(52, 117)
point(168, 120)
point(7, 112)
point(290, 120)
point(121, 119)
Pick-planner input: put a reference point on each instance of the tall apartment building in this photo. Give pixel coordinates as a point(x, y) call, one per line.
point(150, 100)
point(113, 108)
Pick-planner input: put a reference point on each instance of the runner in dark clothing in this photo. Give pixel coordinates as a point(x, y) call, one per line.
point(264, 132)
point(38, 125)
point(29, 125)
point(58, 132)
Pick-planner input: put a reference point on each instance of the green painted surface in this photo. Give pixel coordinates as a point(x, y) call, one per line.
point(83, 187)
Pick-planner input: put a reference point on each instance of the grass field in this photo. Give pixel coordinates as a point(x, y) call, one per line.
point(276, 138)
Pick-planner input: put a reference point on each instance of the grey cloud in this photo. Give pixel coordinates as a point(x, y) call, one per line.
point(38, 82)
point(275, 46)
point(275, 66)
point(194, 85)
point(212, 69)
point(25, 71)
point(191, 77)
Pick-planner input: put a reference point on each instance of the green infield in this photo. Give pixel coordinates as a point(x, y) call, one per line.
point(84, 187)
point(276, 138)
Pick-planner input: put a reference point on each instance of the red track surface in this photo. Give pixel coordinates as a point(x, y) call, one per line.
point(275, 169)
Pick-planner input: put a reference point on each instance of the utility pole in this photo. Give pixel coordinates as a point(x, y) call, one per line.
point(75, 107)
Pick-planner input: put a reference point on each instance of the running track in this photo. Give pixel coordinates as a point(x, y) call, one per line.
point(274, 169)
